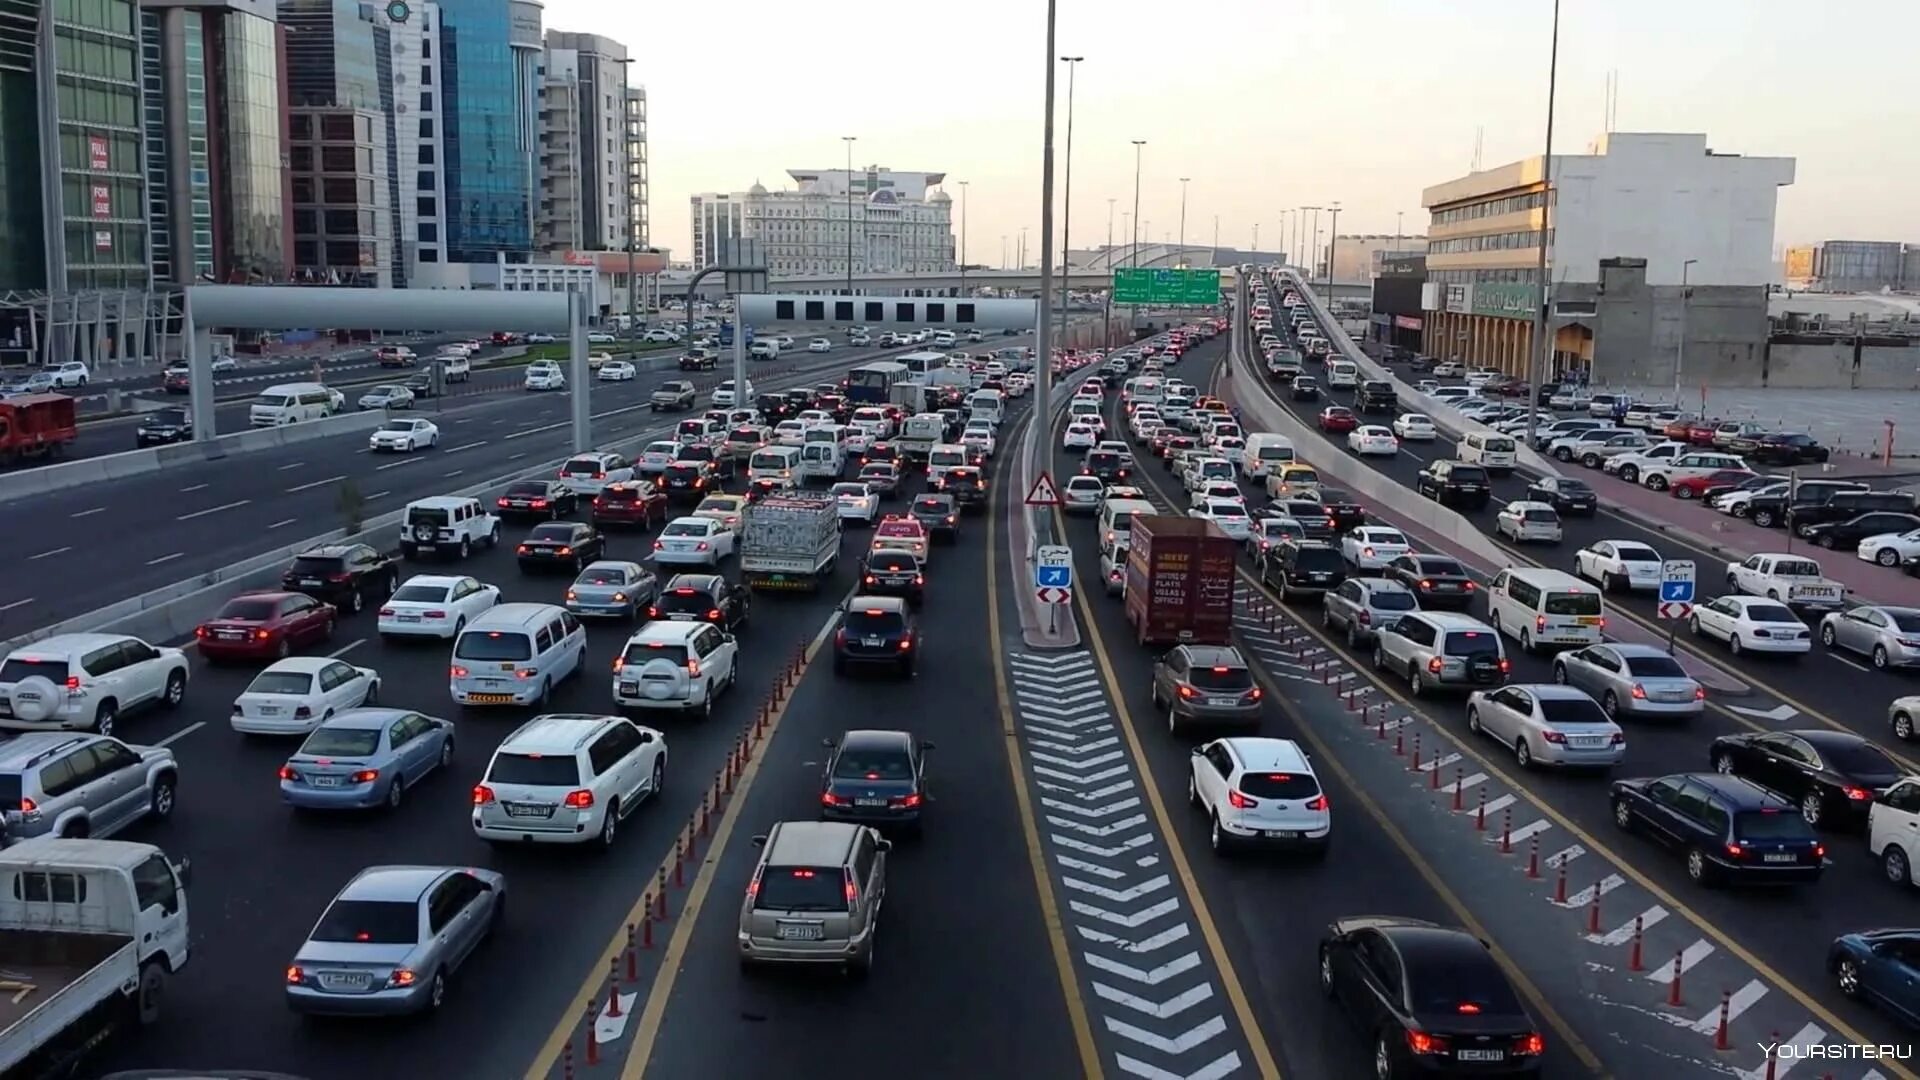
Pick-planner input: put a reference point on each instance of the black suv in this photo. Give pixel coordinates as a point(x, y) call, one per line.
point(712, 455)
point(1108, 465)
point(699, 360)
point(1768, 511)
point(1785, 449)
point(895, 573)
point(703, 598)
point(1455, 483)
point(689, 481)
point(1376, 395)
point(163, 426)
point(1305, 388)
point(344, 575)
point(967, 486)
point(1568, 495)
point(876, 630)
point(1308, 569)
point(1342, 509)
point(1439, 582)
point(774, 407)
point(1845, 506)
point(547, 499)
point(567, 544)
point(940, 515)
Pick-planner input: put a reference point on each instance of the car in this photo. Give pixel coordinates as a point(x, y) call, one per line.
point(876, 778)
point(387, 396)
point(1632, 680)
point(1357, 606)
point(881, 477)
point(544, 375)
point(434, 605)
point(1751, 624)
point(1373, 439)
point(628, 503)
point(612, 588)
point(87, 681)
point(1850, 532)
point(1693, 487)
point(1336, 419)
point(121, 785)
point(1370, 548)
point(708, 598)
point(404, 436)
point(819, 345)
point(162, 427)
point(540, 500)
point(1784, 448)
point(1081, 494)
point(1441, 650)
point(879, 631)
point(1522, 522)
point(617, 371)
point(1547, 724)
point(697, 541)
point(1430, 998)
point(1228, 515)
point(1567, 495)
point(293, 696)
point(364, 758)
point(1874, 965)
point(894, 573)
point(601, 337)
point(1269, 529)
point(729, 510)
point(968, 486)
point(1259, 792)
point(857, 503)
point(815, 896)
point(678, 666)
point(70, 375)
point(264, 625)
point(901, 533)
point(698, 360)
point(1726, 827)
point(1205, 684)
point(1455, 483)
point(537, 337)
point(1079, 436)
point(392, 940)
point(1833, 776)
point(938, 515)
point(674, 395)
point(348, 576)
point(1619, 565)
point(1304, 388)
point(1888, 636)
point(566, 544)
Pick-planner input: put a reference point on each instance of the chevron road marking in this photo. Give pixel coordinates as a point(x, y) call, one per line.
point(1095, 869)
point(1526, 832)
point(1564, 855)
point(1179, 1044)
point(1087, 796)
point(1129, 803)
point(1048, 730)
point(1055, 703)
point(1174, 934)
point(1179, 965)
point(1224, 1065)
point(1028, 680)
point(1097, 722)
point(1585, 896)
point(1090, 778)
point(1096, 709)
point(1109, 756)
point(1051, 661)
point(1623, 933)
point(1161, 1010)
point(1440, 763)
point(1098, 744)
point(1139, 840)
point(1464, 783)
point(1689, 956)
point(1102, 831)
point(1119, 896)
point(1742, 1000)
point(1132, 922)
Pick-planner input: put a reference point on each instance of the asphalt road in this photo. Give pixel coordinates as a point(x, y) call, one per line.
point(171, 525)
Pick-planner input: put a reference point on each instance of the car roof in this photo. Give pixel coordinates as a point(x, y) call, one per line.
point(1429, 946)
point(23, 748)
point(1265, 754)
point(693, 581)
point(869, 602)
point(365, 719)
point(1744, 794)
point(561, 733)
point(306, 665)
point(1828, 740)
point(875, 739)
point(1453, 620)
point(811, 843)
point(436, 581)
point(392, 883)
point(674, 633)
point(1553, 691)
point(1215, 656)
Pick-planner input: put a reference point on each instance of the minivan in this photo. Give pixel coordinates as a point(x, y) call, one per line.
point(290, 403)
point(988, 405)
point(1264, 453)
point(775, 463)
point(822, 459)
point(513, 654)
point(1116, 522)
point(1545, 608)
point(943, 457)
point(1492, 452)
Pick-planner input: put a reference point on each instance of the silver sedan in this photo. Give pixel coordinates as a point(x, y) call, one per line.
point(1636, 680)
point(1547, 724)
point(610, 588)
point(1890, 636)
point(390, 942)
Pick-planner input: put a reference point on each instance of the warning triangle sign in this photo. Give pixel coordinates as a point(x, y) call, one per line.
point(1042, 493)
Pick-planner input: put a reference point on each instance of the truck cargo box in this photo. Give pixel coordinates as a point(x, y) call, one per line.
point(1180, 581)
point(790, 541)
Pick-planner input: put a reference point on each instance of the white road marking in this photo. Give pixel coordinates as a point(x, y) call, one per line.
point(518, 456)
point(283, 524)
point(453, 474)
point(182, 733)
point(165, 558)
point(377, 495)
point(1689, 956)
point(212, 510)
point(1742, 1000)
point(1564, 856)
point(395, 464)
point(314, 484)
point(1803, 1041)
point(90, 513)
point(469, 446)
point(1623, 933)
point(15, 604)
point(1835, 653)
point(348, 647)
point(50, 554)
point(194, 488)
point(295, 465)
point(1528, 831)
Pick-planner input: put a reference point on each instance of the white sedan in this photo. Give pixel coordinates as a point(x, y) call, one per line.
point(857, 503)
point(1752, 623)
point(819, 344)
point(545, 375)
point(435, 605)
point(1618, 564)
point(693, 541)
point(1372, 439)
point(387, 397)
point(1372, 547)
point(1079, 437)
point(1229, 515)
point(980, 439)
point(293, 696)
point(660, 335)
point(404, 435)
point(1889, 549)
point(617, 371)
point(1082, 494)
point(1415, 426)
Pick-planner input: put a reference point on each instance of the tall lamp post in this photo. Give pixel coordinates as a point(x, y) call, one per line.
point(1686, 298)
point(1134, 257)
point(1182, 248)
point(1312, 238)
point(1106, 317)
point(1256, 236)
point(848, 139)
point(963, 235)
point(1066, 201)
point(1043, 333)
point(1333, 245)
point(1537, 354)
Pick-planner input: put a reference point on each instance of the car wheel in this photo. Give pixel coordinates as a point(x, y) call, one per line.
point(1887, 557)
point(446, 754)
point(1523, 752)
point(1216, 836)
point(281, 650)
point(1827, 635)
point(1683, 492)
point(1622, 816)
point(1693, 625)
point(1416, 683)
point(1764, 518)
point(1733, 644)
point(1591, 461)
point(1326, 972)
point(355, 601)
point(546, 695)
point(104, 718)
point(466, 547)
point(1193, 789)
point(493, 537)
point(1902, 727)
point(1353, 637)
point(1473, 722)
point(1893, 863)
point(1813, 809)
point(1698, 868)
point(1629, 473)
point(160, 802)
point(1880, 657)
point(1174, 723)
point(1609, 704)
point(396, 793)
point(1526, 640)
point(609, 824)
point(1657, 482)
point(1846, 976)
point(1379, 658)
point(1563, 454)
point(1383, 1067)
point(152, 993)
point(176, 691)
point(436, 991)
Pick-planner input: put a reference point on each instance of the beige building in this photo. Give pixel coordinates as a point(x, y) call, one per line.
point(1356, 255)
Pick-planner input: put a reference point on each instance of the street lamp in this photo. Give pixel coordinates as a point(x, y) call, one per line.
point(1134, 260)
point(848, 139)
point(1043, 331)
point(1181, 250)
point(1536, 355)
point(1686, 297)
point(1333, 245)
point(1066, 201)
point(963, 235)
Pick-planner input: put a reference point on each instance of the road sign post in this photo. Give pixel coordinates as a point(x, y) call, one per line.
point(1043, 493)
point(1676, 594)
point(1053, 579)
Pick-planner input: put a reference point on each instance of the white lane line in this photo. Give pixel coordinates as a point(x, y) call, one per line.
point(15, 604)
point(395, 464)
point(1623, 933)
point(50, 554)
point(212, 510)
point(1464, 783)
point(348, 647)
point(469, 446)
point(1790, 1053)
point(283, 524)
point(1525, 832)
point(1440, 763)
point(1742, 1000)
point(452, 474)
point(295, 465)
point(194, 488)
point(1855, 666)
point(1495, 806)
point(314, 484)
point(182, 733)
point(1564, 855)
point(518, 456)
point(89, 513)
point(165, 558)
point(377, 495)
point(1689, 956)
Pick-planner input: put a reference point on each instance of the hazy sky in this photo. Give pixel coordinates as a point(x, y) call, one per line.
point(1382, 97)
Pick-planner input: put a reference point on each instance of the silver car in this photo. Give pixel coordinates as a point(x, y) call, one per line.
point(389, 943)
point(1359, 606)
point(56, 783)
point(1547, 724)
point(611, 588)
point(1889, 635)
point(1633, 680)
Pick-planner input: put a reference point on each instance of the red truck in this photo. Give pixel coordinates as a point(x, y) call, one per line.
point(1180, 579)
point(35, 426)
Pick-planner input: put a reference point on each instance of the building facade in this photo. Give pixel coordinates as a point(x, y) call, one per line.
point(488, 169)
point(1861, 266)
point(636, 164)
point(419, 146)
point(1355, 255)
point(342, 213)
point(718, 217)
point(582, 201)
point(884, 221)
point(1690, 217)
point(1395, 316)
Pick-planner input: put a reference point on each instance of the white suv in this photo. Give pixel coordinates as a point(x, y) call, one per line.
point(86, 681)
point(1257, 790)
point(681, 666)
point(568, 778)
point(447, 525)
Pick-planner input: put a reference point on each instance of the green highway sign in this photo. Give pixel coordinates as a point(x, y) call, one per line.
point(1166, 287)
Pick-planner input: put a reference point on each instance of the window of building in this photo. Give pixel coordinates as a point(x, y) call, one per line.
point(423, 181)
point(426, 153)
point(426, 74)
point(426, 48)
point(426, 127)
point(429, 232)
point(300, 126)
point(426, 101)
point(426, 206)
point(338, 159)
point(301, 158)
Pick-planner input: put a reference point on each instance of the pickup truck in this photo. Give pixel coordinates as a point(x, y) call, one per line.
point(1793, 580)
point(675, 395)
point(90, 932)
point(790, 541)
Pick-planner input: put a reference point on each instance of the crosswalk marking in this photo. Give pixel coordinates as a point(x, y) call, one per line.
point(1662, 972)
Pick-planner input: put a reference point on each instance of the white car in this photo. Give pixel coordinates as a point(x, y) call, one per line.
point(857, 503)
point(979, 438)
point(1618, 564)
point(726, 397)
point(1223, 490)
point(1231, 447)
point(1230, 515)
point(660, 335)
point(1893, 828)
point(223, 363)
point(387, 397)
point(71, 374)
point(675, 666)
point(540, 338)
point(1686, 467)
point(590, 473)
point(693, 541)
point(404, 435)
point(785, 341)
point(600, 337)
point(728, 510)
point(1889, 549)
point(1523, 521)
point(1738, 501)
point(293, 696)
point(47, 685)
point(819, 344)
point(1079, 437)
point(654, 459)
point(1256, 790)
point(790, 433)
point(1373, 439)
point(617, 371)
point(435, 605)
point(1082, 494)
point(545, 375)
point(1372, 547)
point(1752, 623)
point(1415, 426)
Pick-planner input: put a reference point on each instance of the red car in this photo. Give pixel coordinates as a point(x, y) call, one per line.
point(1700, 432)
point(264, 625)
point(1338, 420)
point(1693, 486)
point(630, 502)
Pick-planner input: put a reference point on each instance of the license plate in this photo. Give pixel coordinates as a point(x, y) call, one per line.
point(409, 618)
point(869, 802)
point(528, 810)
point(231, 635)
point(270, 710)
point(680, 616)
point(798, 931)
point(779, 577)
point(326, 781)
point(1590, 742)
point(1282, 834)
point(1588, 620)
point(490, 699)
point(1223, 702)
point(1480, 1055)
point(310, 581)
point(347, 980)
point(873, 642)
point(1780, 857)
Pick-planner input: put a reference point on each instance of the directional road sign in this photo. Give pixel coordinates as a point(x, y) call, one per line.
point(1054, 567)
point(1166, 286)
point(1053, 596)
point(1675, 610)
point(1043, 493)
point(1676, 581)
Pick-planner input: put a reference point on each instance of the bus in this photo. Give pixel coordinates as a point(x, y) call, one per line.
point(918, 364)
point(873, 383)
point(726, 332)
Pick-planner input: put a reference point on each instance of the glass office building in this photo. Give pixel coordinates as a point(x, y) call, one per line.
point(487, 174)
point(22, 226)
point(103, 226)
point(251, 228)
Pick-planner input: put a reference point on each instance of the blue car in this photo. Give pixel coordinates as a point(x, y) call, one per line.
point(1727, 828)
point(1881, 967)
point(363, 758)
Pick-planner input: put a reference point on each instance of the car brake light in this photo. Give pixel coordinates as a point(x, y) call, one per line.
point(286, 773)
point(1539, 622)
point(1434, 665)
point(1318, 802)
point(456, 671)
point(1530, 1045)
point(1506, 666)
point(1859, 794)
point(1422, 1043)
point(1555, 737)
point(364, 776)
point(539, 504)
point(701, 546)
point(1239, 801)
point(1735, 851)
point(1186, 691)
point(500, 502)
point(1639, 692)
point(693, 668)
point(295, 976)
point(482, 794)
point(1426, 584)
point(852, 891)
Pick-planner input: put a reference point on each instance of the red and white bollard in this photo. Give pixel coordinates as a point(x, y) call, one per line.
point(1721, 1039)
point(1673, 988)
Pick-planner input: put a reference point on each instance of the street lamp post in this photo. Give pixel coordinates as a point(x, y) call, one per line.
point(1043, 333)
point(1066, 201)
point(1256, 236)
point(1180, 250)
point(626, 181)
point(1106, 316)
point(1680, 352)
point(1536, 356)
point(1333, 245)
point(963, 235)
point(848, 139)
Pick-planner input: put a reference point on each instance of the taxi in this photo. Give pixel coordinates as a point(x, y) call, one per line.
point(1292, 480)
point(897, 533)
point(728, 510)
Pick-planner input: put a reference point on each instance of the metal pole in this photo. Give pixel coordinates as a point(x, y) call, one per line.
point(1133, 314)
point(1680, 352)
point(1333, 245)
point(578, 374)
point(626, 181)
point(963, 235)
point(1066, 203)
point(739, 357)
point(1537, 354)
point(1180, 252)
point(1043, 336)
point(1106, 316)
point(1397, 230)
point(848, 139)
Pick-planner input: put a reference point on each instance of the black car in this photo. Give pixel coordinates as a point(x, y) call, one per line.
point(163, 426)
point(1432, 999)
point(703, 598)
point(774, 408)
point(1455, 483)
point(1305, 388)
point(1376, 395)
point(891, 572)
point(1310, 513)
point(798, 401)
point(968, 486)
point(1845, 506)
point(876, 778)
point(1342, 510)
point(1568, 495)
point(1849, 533)
point(1787, 449)
point(1108, 465)
point(939, 514)
point(548, 499)
point(878, 631)
point(1726, 827)
point(566, 544)
point(1439, 582)
point(1834, 776)
point(1308, 569)
point(421, 384)
point(720, 462)
point(689, 481)
point(348, 576)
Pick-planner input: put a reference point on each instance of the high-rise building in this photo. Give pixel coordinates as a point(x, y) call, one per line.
point(526, 38)
point(717, 218)
point(637, 195)
point(888, 222)
point(582, 196)
point(342, 131)
point(488, 176)
point(419, 147)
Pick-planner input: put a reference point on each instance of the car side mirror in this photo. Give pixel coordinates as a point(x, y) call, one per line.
point(827, 743)
point(184, 871)
point(926, 744)
point(1196, 751)
point(646, 737)
point(883, 845)
point(760, 840)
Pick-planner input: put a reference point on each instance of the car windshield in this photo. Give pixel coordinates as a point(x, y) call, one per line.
point(1220, 677)
point(500, 645)
point(249, 610)
point(1655, 667)
point(858, 491)
point(536, 489)
point(1905, 622)
point(1391, 600)
point(420, 594)
point(872, 621)
point(1289, 786)
point(534, 770)
point(397, 425)
point(1317, 560)
point(316, 564)
point(661, 449)
point(341, 742)
point(1574, 603)
point(1859, 759)
point(1471, 643)
point(1771, 825)
point(1468, 475)
point(553, 532)
point(684, 528)
point(1542, 515)
point(15, 670)
point(281, 682)
point(1770, 613)
point(1442, 984)
point(369, 922)
point(877, 764)
point(1580, 710)
point(801, 888)
point(894, 562)
point(1635, 553)
point(602, 575)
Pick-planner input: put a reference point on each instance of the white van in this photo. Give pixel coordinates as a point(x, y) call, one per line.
point(1490, 450)
point(1264, 453)
point(1145, 390)
point(943, 457)
point(986, 405)
point(822, 459)
point(778, 463)
point(1545, 608)
point(290, 403)
point(1343, 375)
point(514, 654)
point(1116, 522)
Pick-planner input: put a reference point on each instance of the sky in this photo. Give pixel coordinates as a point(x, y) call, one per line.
point(1264, 105)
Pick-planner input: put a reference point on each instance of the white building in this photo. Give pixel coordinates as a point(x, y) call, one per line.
point(582, 200)
point(888, 222)
point(419, 153)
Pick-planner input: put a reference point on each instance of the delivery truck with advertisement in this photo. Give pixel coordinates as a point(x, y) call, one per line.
point(1180, 581)
point(790, 541)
